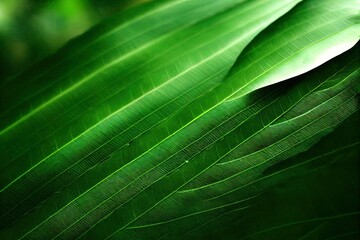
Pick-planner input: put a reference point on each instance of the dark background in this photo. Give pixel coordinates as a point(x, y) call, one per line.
point(33, 29)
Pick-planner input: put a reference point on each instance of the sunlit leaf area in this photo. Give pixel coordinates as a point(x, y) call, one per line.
point(180, 119)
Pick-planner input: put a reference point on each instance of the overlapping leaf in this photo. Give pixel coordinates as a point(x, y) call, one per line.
point(174, 160)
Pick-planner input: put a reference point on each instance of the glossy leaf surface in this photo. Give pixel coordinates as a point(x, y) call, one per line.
point(180, 116)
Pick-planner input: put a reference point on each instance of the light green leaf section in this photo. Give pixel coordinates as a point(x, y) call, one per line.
point(321, 31)
point(165, 143)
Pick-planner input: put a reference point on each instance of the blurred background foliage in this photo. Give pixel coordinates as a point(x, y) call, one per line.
point(33, 29)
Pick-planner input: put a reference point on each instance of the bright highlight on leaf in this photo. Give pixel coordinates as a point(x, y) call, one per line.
point(179, 119)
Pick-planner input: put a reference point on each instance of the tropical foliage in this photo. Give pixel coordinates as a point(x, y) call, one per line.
point(176, 119)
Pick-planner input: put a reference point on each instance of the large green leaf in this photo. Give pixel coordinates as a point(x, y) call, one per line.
point(178, 144)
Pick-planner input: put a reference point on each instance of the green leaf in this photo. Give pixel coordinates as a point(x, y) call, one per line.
point(159, 139)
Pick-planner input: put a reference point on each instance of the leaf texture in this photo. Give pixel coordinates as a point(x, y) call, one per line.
point(180, 116)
